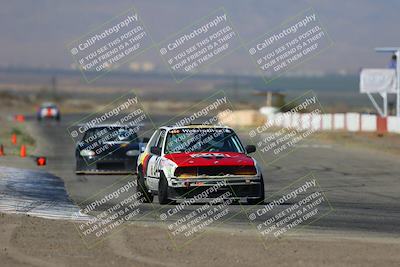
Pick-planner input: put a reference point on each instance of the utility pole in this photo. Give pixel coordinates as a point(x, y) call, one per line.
point(54, 87)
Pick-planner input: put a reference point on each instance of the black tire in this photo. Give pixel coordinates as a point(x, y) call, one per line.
point(141, 187)
point(163, 190)
point(78, 168)
point(259, 200)
point(79, 172)
point(235, 202)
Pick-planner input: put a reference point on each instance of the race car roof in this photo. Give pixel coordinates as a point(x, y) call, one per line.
point(206, 126)
point(111, 125)
point(48, 105)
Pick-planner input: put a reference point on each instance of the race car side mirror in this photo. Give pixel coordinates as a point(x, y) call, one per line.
point(146, 140)
point(250, 149)
point(155, 150)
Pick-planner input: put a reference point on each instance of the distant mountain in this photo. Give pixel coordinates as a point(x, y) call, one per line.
point(34, 33)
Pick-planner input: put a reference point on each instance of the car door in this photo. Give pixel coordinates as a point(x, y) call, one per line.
point(153, 167)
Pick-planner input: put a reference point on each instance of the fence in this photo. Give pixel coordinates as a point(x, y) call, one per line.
point(352, 122)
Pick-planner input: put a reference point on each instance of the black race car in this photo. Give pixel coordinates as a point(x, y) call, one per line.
point(108, 149)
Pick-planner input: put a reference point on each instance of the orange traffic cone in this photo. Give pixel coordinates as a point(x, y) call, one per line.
point(1, 150)
point(20, 118)
point(23, 151)
point(14, 139)
point(41, 161)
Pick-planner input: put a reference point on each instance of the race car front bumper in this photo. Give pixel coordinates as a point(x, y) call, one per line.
point(107, 165)
point(214, 187)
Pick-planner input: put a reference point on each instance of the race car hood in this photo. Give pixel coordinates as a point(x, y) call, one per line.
point(210, 159)
point(115, 148)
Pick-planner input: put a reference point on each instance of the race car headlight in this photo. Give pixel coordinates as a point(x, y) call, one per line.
point(87, 153)
point(185, 172)
point(132, 153)
point(250, 170)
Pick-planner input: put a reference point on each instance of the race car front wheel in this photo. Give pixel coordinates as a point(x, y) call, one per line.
point(254, 201)
point(163, 190)
point(141, 187)
point(78, 170)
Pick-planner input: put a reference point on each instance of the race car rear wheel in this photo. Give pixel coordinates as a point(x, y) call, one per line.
point(142, 188)
point(163, 190)
point(254, 201)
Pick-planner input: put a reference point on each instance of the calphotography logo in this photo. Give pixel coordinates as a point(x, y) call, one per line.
point(301, 203)
point(110, 45)
point(205, 207)
point(110, 209)
point(295, 41)
point(117, 128)
point(203, 43)
point(285, 131)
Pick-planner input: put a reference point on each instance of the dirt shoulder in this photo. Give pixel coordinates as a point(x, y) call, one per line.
point(28, 241)
point(387, 143)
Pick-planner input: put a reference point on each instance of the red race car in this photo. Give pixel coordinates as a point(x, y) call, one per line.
point(200, 162)
point(48, 111)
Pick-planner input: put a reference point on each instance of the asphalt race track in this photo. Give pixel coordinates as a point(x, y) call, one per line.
point(362, 188)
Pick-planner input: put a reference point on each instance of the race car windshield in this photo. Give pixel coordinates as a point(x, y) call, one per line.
point(202, 140)
point(110, 134)
point(48, 106)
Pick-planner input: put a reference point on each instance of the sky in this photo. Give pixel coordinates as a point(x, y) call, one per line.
point(35, 33)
